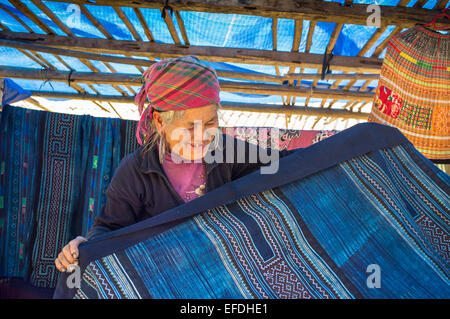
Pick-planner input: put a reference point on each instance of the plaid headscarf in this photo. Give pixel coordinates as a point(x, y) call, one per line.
point(175, 84)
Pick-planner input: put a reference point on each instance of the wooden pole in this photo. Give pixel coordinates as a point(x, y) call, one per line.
point(205, 53)
point(133, 79)
point(231, 106)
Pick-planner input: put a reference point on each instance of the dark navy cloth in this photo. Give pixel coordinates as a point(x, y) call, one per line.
point(296, 165)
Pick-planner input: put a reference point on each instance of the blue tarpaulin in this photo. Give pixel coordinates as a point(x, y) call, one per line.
point(13, 92)
point(203, 29)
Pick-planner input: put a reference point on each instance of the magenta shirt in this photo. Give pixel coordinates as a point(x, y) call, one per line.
point(188, 179)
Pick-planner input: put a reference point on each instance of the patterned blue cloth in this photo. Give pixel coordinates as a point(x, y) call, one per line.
point(370, 219)
point(54, 169)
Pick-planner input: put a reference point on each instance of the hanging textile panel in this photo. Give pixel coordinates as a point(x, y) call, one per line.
point(54, 170)
point(413, 92)
point(19, 138)
point(268, 137)
point(79, 156)
point(321, 227)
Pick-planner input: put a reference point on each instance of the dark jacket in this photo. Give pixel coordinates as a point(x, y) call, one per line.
point(140, 189)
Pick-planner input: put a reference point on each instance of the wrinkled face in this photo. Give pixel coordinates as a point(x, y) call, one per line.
point(190, 136)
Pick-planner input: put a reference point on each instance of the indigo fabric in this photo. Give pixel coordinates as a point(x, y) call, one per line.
point(18, 175)
point(315, 229)
point(54, 172)
point(54, 169)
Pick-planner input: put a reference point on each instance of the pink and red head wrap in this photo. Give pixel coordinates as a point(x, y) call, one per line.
point(175, 84)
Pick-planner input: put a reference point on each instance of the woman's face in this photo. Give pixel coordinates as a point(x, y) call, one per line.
point(190, 136)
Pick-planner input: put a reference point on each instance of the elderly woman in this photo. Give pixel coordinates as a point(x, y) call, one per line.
point(177, 129)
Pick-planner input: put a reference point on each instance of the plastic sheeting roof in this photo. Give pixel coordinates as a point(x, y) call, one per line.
point(203, 29)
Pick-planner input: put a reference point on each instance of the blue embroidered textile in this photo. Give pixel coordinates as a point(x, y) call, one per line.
point(361, 214)
point(54, 169)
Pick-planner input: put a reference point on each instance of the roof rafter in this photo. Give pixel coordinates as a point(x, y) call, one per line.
point(33, 17)
point(206, 53)
point(182, 27)
point(133, 79)
point(404, 17)
point(171, 26)
point(298, 28)
point(35, 56)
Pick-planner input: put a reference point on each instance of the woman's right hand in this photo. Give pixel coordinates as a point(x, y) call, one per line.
point(69, 254)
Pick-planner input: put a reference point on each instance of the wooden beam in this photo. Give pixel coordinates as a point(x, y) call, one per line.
point(404, 17)
point(293, 110)
point(53, 17)
point(16, 18)
point(37, 104)
point(171, 27)
point(403, 3)
point(441, 4)
point(31, 15)
point(114, 109)
point(25, 10)
point(105, 32)
point(206, 53)
point(40, 60)
point(274, 33)
point(333, 38)
point(383, 44)
point(312, 26)
point(132, 79)
point(295, 47)
point(32, 55)
point(330, 76)
point(128, 24)
point(231, 106)
point(274, 48)
point(129, 61)
point(36, 57)
point(144, 24)
point(420, 3)
point(96, 71)
point(354, 77)
point(363, 87)
point(95, 22)
point(375, 36)
point(298, 28)
point(130, 27)
point(349, 85)
point(75, 54)
point(182, 27)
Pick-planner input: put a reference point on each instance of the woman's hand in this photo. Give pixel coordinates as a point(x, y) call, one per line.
point(69, 254)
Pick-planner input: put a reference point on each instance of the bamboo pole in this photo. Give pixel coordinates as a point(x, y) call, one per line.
point(132, 79)
point(230, 74)
point(229, 106)
point(171, 27)
point(206, 53)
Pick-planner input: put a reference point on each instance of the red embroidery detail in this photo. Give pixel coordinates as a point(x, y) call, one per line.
point(388, 102)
